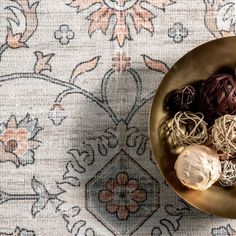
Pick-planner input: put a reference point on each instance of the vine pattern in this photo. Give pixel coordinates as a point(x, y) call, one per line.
point(84, 156)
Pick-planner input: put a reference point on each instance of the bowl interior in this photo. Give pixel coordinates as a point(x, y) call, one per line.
point(210, 58)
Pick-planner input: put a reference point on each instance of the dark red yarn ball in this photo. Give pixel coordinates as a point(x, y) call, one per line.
point(181, 99)
point(218, 96)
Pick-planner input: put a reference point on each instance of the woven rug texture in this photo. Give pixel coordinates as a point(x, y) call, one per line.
point(77, 79)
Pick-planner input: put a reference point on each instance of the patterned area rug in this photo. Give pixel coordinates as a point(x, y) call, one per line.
point(76, 82)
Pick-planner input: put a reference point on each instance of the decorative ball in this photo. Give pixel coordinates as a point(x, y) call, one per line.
point(187, 128)
point(181, 99)
point(217, 96)
point(223, 136)
point(228, 174)
point(198, 167)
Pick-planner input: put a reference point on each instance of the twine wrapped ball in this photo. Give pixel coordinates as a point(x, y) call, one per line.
point(217, 96)
point(223, 136)
point(198, 167)
point(187, 128)
point(181, 99)
point(228, 174)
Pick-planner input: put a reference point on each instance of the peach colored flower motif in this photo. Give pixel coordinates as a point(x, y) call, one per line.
point(121, 10)
point(18, 139)
point(220, 17)
point(13, 40)
point(122, 195)
point(121, 62)
point(15, 140)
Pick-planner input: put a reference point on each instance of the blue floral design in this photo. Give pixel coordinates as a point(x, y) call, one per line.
point(223, 231)
point(64, 34)
point(20, 232)
point(178, 32)
point(25, 232)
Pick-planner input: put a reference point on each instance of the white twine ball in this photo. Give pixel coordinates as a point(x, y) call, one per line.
point(228, 174)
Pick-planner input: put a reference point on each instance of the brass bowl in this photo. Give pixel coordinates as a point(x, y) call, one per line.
point(198, 64)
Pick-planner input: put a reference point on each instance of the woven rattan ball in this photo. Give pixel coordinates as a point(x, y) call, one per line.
point(188, 128)
point(223, 135)
point(218, 96)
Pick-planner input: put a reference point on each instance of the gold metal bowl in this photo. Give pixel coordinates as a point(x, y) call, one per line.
point(199, 64)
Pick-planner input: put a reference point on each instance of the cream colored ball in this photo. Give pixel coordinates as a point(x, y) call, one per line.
point(198, 167)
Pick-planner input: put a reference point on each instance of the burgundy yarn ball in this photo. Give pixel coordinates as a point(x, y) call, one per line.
point(218, 96)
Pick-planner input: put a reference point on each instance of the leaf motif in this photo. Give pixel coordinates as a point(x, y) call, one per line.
point(142, 19)
point(30, 14)
point(16, 18)
point(39, 205)
point(71, 171)
point(39, 188)
point(137, 139)
point(72, 218)
point(31, 125)
point(143, 143)
point(43, 195)
point(100, 20)
point(31, 22)
point(84, 67)
point(27, 159)
point(42, 62)
point(12, 122)
point(156, 65)
point(14, 40)
point(79, 157)
point(73, 212)
point(4, 197)
point(121, 31)
point(102, 146)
